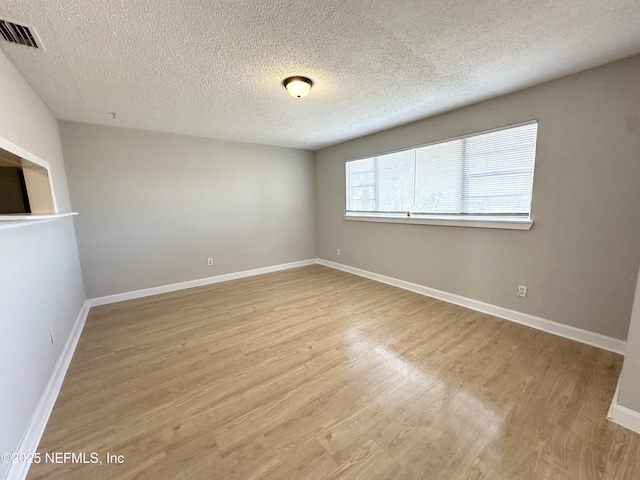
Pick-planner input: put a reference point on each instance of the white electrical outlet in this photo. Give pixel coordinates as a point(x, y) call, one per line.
point(522, 291)
point(338, 252)
point(210, 262)
point(52, 332)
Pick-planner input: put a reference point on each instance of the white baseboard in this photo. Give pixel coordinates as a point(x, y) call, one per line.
point(40, 417)
point(614, 400)
point(549, 326)
point(625, 417)
point(29, 444)
point(173, 287)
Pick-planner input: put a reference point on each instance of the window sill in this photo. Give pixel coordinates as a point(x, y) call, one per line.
point(506, 223)
point(17, 220)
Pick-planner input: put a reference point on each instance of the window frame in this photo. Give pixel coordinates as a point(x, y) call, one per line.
point(499, 221)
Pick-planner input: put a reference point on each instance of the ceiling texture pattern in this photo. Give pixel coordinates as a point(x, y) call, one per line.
point(215, 68)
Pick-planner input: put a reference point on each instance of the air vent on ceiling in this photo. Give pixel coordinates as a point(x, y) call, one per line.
point(20, 34)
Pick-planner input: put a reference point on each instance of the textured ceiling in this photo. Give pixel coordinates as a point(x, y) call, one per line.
point(214, 68)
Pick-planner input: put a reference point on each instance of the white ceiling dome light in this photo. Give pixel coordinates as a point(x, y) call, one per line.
point(298, 86)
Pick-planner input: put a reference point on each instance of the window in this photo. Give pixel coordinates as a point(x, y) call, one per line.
point(484, 179)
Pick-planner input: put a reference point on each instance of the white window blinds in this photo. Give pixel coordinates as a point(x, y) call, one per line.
point(488, 173)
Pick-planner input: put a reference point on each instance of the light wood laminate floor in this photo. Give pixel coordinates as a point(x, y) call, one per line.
point(317, 374)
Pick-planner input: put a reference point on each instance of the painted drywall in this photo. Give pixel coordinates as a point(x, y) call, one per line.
point(40, 278)
point(629, 395)
point(580, 259)
point(154, 207)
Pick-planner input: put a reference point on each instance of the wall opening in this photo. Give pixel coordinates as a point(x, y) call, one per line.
point(25, 185)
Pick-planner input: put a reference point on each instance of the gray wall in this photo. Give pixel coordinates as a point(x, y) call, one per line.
point(153, 207)
point(580, 260)
point(40, 279)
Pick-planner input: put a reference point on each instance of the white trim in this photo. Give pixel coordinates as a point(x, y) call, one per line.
point(507, 223)
point(625, 417)
point(614, 400)
point(30, 157)
point(42, 412)
point(40, 417)
point(29, 444)
point(147, 292)
point(28, 217)
point(549, 326)
point(12, 221)
point(21, 152)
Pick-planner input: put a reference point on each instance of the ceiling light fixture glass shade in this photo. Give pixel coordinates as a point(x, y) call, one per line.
point(298, 86)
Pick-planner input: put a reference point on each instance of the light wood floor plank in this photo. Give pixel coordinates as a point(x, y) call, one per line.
point(316, 374)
